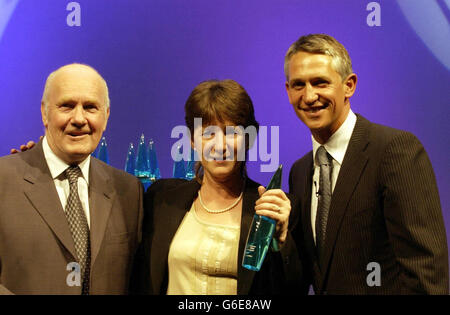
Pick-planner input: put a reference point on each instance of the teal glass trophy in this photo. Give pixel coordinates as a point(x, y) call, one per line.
point(130, 163)
point(142, 169)
point(261, 232)
point(178, 165)
point(190, 166)
point(102, 153)
point(153, 161)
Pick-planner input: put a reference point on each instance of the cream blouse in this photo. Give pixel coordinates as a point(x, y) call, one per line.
point(203, 258)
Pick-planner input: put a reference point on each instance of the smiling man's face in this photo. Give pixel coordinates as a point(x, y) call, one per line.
point(75, 114)
point(318, 94)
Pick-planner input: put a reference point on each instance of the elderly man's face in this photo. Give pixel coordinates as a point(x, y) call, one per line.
point(319, 96)
point(76, 113)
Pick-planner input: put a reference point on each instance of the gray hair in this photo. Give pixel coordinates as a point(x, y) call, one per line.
point(325, 45)
point(52, 76)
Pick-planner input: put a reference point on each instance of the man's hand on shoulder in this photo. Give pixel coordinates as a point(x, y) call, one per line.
point(25, 147)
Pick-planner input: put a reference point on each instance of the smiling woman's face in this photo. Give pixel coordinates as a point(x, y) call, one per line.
point(220, 144)
point(75, 114)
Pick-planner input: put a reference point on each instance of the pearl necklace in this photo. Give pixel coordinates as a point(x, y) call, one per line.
point(220, 210)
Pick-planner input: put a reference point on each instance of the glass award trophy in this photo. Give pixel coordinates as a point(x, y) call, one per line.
point(153, 161)
point(190, 166)
point(142, 169)
point(178, 166)
point(102, 153)
point(130, 163)
point(261, 232)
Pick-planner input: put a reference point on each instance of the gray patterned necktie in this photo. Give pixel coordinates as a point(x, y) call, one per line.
point(326, 167)
point(78, 226)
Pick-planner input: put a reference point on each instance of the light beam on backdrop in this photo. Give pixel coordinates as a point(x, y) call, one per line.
point(6, 10)
point(430, 23)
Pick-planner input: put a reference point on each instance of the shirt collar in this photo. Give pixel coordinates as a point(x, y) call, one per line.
point(58, 166)
point(337, 145)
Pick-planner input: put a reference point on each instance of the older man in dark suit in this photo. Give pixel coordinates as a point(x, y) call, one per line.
point(69, 224)
point(372, 220)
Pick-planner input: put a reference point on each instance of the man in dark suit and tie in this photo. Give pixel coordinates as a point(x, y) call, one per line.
point(69, 224)
point(371, 214)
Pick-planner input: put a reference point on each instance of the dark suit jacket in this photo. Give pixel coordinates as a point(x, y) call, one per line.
point(35, 240)
point(166, 203)
point(385, 208)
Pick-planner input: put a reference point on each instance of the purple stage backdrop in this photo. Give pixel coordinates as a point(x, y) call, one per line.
point(153, 52)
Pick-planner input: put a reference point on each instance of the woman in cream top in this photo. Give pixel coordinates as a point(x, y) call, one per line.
point(202, 258)
point(194, 232)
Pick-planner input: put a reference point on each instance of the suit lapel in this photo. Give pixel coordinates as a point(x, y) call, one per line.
point(41, 191)
point(101, 197)
point(306, 206)
point(352, 167)
point(245, 276)
point(306, 191)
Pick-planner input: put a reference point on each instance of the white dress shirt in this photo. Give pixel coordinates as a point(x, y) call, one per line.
point(336, 146)
point(57, 168)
